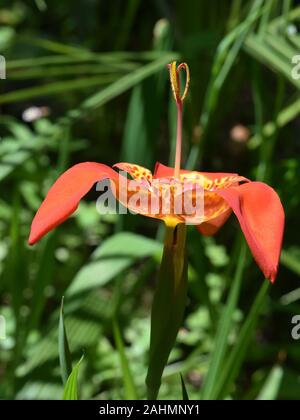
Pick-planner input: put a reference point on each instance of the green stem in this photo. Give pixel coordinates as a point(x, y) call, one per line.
point(168, 306)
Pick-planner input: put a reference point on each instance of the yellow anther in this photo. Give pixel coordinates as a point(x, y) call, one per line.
point(175, 80)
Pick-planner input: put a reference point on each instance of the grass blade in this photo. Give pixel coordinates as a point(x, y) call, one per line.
point(130, 390)
point(128, 81)
point(236, 356)
point(63, 347)
point(221, 341)
point(284, 117)
point(270, 389)
point(224, 60)
point(71, 388)
point(290, 261)
point(185, 396)
point(55, 88)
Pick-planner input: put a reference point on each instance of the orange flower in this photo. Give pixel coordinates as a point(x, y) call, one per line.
point(255, 204)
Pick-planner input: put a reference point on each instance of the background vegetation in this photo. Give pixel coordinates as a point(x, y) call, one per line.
point(97, 72)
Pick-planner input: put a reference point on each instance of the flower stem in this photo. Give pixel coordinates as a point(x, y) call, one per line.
point(178, 140)
point(168, 306)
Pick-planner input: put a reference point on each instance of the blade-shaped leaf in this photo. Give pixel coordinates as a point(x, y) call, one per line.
point(185, 396)
point(111, 258)
point(221, 341)
point(71, 388)
point(272, 384)
point(168, 306)
point(63, 347)
point(237, 354)
point(130, 390)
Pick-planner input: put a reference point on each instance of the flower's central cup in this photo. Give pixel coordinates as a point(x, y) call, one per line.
point(169, 199)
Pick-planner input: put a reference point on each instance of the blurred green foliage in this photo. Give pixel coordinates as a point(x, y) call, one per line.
point(96, 71)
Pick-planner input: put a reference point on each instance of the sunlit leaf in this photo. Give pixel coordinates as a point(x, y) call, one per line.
point(71, 387)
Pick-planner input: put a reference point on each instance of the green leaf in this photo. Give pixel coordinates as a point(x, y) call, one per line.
point(55, 88)
point(265, 53)
point(6, 36)
point(126, 24)
point(121, 85)
point(16, 277)
point(42, 279)
point(272, 384)
point(127, 244)
point(63, 347)
point(144, 111)
point(111, 258)
point(66, 70)
point(71, 388)
point(274, 46)
point(84, 325)
point(225, 57)
point(236, 356)
point(185, 396)
point(130, 390)
point(168, 306)
point(284, 117)
point(221, 340)
point(290, 261)
point(97, 274)
point(20, 144)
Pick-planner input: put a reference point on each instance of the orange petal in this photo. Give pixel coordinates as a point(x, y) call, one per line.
point(161, 171)
point(138, 173)
point(65, 194)
point(261, 217)
point(210, 181)
point(211, 227)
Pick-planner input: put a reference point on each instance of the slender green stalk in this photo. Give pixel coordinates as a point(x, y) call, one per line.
point(65, 359)
point(168, 306)
point(130, 390)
